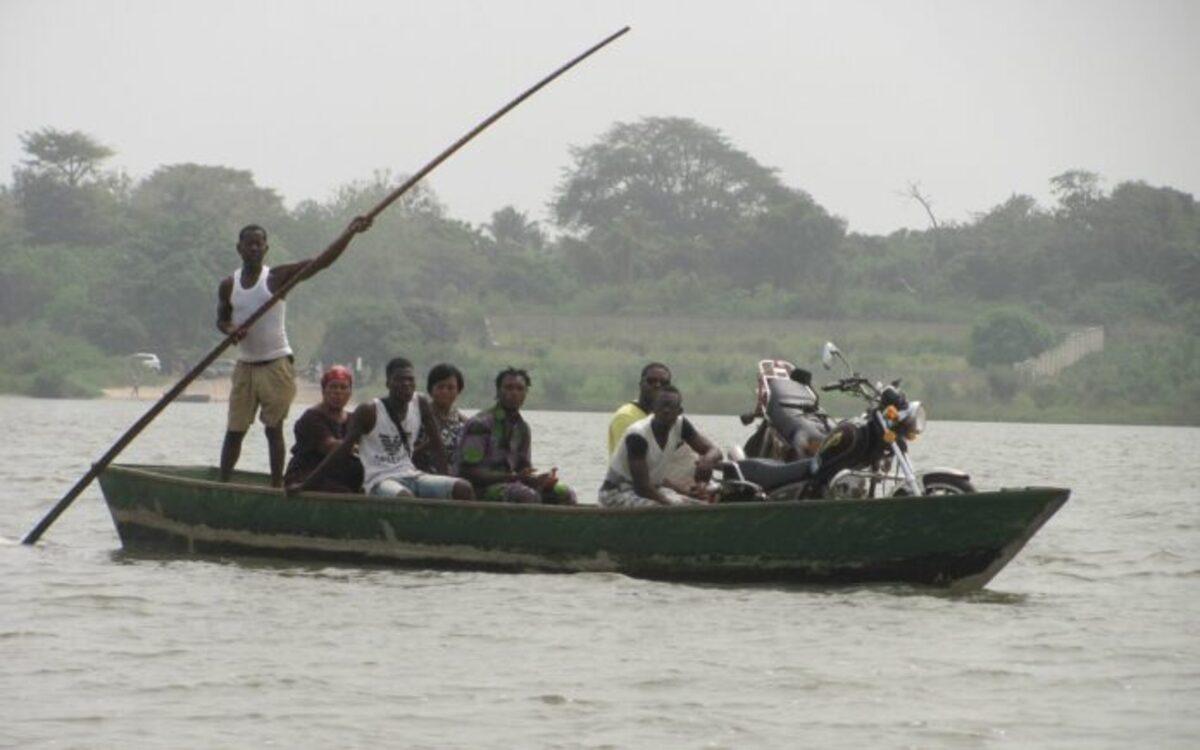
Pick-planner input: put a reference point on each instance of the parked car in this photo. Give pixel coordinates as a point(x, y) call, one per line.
point(147, 360)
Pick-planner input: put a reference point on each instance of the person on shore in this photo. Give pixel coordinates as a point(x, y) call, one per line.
point(494, 454)
point(444, 384)
point(638, 468)
point(264, 379)
point(319, 432)
point(385, 431)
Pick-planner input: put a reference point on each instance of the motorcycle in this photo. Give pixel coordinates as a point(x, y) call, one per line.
point(798, 452)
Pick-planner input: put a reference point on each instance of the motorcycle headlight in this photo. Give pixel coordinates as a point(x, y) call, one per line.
point(914, 420)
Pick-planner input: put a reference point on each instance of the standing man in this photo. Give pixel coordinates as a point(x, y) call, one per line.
point(637, 473)
point(385, 431)
point(265, 377)
point(494, 452)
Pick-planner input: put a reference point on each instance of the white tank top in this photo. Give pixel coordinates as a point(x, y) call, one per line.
point(383, 451)
point(657, 459)
point(267, 338)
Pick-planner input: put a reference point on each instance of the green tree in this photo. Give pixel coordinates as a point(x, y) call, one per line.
point(670, 177)
point(1006, 336)
point(674, 172)
point(1152, 233)
point(624, 250)
point(19, 298)
point(1080, 199)
point(185, 220)
point(513, 229)
point(1002, 255)
point(28, 280)
point(64, 194)
point(372, 330)
point(72, 158)
point(669, 194)
point(412, 251)
point(203, 203)
point(794, 241)
point(1077, 191)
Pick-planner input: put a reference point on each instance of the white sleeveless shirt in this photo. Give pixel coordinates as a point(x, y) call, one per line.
point(657, 458)
point(383, 452)
point(267, 338)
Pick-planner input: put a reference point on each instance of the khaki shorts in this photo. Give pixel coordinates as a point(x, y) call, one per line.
point(270, 386)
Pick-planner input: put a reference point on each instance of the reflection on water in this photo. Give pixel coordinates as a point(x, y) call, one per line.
point(1086, 640)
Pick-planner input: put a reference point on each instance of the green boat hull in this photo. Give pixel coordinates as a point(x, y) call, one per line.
point(956, 541)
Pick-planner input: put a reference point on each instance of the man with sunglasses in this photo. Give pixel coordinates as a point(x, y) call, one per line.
point(654, 376)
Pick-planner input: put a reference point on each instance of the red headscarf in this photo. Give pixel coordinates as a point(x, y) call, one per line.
point(337, 372)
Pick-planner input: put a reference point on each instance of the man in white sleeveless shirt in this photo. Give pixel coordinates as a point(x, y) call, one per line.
point(385, 431)
point(637, 472)
point(654, 375)
point(265, 377)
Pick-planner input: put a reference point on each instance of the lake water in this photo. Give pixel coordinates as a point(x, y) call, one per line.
point(1088, 639)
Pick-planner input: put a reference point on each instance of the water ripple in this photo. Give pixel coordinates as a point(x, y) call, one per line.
point(1087, 640)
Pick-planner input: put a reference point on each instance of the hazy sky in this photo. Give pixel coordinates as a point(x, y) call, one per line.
point(851, 101)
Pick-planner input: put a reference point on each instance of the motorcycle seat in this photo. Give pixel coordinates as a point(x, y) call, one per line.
point(791, 409)
point(769, 473)
point(786, 393)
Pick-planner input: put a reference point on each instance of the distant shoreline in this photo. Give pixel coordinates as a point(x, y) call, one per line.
point(216, 390)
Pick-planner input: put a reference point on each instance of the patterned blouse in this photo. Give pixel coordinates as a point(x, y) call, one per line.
point(450, 428)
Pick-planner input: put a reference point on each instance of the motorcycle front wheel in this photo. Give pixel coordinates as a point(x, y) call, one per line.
point(941, 484)
point(947, 484)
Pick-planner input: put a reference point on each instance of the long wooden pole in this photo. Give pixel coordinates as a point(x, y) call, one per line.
point(170, 395)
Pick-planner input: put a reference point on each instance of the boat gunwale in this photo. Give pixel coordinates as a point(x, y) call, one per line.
point(149, 471)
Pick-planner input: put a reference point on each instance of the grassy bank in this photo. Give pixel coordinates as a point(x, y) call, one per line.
point(1144, 376)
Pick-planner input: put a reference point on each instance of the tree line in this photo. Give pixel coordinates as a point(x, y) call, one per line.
point(659, 216)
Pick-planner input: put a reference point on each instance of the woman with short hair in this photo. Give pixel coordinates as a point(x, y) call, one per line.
point(444, 385)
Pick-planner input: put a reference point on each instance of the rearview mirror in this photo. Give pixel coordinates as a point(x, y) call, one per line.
point(828, 352)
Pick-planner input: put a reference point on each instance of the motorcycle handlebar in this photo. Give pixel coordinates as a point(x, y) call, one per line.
point(844, 384)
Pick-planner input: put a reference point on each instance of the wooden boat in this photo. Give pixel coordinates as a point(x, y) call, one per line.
point(956, 541)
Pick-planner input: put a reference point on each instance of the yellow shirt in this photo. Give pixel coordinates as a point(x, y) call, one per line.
point(621, 419)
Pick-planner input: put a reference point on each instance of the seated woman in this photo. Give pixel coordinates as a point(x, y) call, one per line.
point(319, 431)
point(444, 384)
